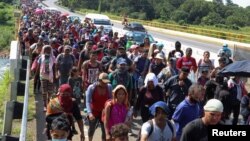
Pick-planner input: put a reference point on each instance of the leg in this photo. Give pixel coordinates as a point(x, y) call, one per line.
point(103, 131)
point(92, 127)
point(44, 92)
point(236, 112)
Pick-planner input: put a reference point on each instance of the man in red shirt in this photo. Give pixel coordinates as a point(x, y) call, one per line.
point(187, 61)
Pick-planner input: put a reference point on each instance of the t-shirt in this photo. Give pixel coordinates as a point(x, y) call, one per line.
point(65, 63)
point(186, 62)
point(196, 130)
point(158, 134)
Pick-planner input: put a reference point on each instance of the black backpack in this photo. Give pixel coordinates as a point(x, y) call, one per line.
point(152, 129)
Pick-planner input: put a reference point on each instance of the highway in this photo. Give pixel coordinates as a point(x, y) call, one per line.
point(168, 40)
point(161, 36)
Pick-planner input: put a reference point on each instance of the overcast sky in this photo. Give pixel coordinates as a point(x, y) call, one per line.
point(243, 3)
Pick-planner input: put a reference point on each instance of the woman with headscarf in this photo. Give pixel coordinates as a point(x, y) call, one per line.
point(46, 70)
point(63, 104)
point(150, 93)
point(116, 110)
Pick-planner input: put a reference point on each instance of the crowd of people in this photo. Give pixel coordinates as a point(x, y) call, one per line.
point(78, 67)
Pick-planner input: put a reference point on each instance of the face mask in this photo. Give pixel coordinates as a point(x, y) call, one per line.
point(59, 139)
point(46, 54)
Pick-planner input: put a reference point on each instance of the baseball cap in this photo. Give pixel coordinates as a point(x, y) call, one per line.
point(104, 77)
point(214, 105)
point(121, 61)
point(158, 56)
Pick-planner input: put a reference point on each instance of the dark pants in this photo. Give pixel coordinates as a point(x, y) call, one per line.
point(145, 115)
point(37, 83)
point(93, 125)
point(235, 108)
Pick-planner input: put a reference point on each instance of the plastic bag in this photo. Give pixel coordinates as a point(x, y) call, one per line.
point(192, 77)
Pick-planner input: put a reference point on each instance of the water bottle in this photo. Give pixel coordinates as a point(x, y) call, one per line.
point(140, 82)
point(129, 114)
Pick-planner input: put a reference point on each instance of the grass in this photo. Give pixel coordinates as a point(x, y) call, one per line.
point(4, 93)
point(16, 128)
point(4, 97)
point(7, 27)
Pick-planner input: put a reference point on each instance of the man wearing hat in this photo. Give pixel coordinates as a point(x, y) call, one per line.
point(121, 53)
point(197, 129)
point(159, 128)
point(96, 96)
point(176, 88)
point(122, 76)
point(157, 65)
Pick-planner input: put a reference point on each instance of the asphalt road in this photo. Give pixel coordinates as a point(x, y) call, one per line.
point(213, 48)
point(162, 36)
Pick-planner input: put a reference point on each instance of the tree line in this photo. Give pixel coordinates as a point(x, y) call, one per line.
point(198, 12)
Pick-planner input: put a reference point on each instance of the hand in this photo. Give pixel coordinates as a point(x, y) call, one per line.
point(91, 117)
point(82, 137)
point(108, 137)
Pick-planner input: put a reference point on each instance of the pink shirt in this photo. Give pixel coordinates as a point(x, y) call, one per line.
point(118, 114)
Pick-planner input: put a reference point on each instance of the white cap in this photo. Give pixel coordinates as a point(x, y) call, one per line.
point(214, 105)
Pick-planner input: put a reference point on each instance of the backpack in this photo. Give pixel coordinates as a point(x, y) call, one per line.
point(152, 129)
point(108, 102)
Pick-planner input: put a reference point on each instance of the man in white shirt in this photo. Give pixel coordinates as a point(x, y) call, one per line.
point(159, 128)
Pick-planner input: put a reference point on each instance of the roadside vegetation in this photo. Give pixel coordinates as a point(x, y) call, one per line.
point(216, 15)
point(7, 27)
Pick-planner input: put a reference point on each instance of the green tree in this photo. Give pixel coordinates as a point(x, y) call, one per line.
point(179, 15)
point(212, 18)
point(196, 10)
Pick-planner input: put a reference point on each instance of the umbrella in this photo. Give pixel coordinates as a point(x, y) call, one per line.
point(237, 68)
point(64, 14)
point(38, 11)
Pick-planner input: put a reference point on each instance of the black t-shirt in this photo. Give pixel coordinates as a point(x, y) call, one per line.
point(195, 131)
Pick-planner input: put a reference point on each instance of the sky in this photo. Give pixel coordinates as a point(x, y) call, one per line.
point(242, 3)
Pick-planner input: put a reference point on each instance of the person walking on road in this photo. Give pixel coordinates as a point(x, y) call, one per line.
point(96, 96)
point(159, 128)
point(197, 130)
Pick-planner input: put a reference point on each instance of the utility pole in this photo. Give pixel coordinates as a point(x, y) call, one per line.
point(100, 6)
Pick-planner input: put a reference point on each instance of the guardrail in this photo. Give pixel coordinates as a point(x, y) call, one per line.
point(25, 106)
point(20, 72)
point(184, 28)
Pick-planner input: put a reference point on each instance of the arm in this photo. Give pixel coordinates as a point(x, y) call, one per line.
point(179, 63)
point(80, 61)
point(194, 65)
point(106, 121)
point(145, 129)
point(89, 93)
